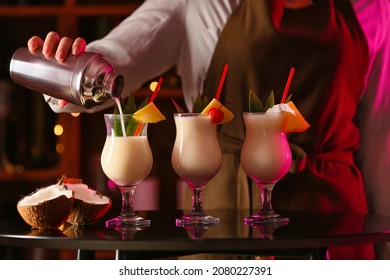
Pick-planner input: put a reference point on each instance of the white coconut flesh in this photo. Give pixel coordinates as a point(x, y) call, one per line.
point(87, 195)
point(45, 194)
point(89, 205)
point(46, 208)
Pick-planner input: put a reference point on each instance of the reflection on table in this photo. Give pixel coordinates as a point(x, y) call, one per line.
point(307, 235)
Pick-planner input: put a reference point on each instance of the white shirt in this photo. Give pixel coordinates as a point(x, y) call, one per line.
point(161, 34)
point(183, 33)
point(166, 33)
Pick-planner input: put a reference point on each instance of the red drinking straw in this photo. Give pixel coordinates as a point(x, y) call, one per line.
point(156, 90)
point(138, 129)
point(290, 76)
point(221, 81)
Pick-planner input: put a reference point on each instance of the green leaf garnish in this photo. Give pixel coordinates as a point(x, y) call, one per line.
point(197, 106)
point(144, 103)
point(255, 104)
point(288, 98)
point(131, 127)
point(270, 101)
point(205, 102)
point(200, 103)
point(117, 128)
point(117, 125)
point(130, 107)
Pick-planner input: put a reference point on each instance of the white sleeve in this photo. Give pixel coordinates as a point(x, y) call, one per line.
point(143, 46)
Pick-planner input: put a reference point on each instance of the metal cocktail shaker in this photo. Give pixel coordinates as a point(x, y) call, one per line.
point(86, 80)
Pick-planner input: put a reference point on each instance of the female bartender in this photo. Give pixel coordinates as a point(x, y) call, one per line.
point(324, 40)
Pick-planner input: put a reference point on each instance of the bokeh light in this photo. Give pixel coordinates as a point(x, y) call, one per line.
point(153, 85)
point(60, 148)
point(58, 129)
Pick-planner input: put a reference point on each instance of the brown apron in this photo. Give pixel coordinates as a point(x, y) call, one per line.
point(261, 42)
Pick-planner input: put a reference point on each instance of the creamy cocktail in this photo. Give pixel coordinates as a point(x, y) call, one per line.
point(196, 155)
point(126, 159)
point(266, 158)
point(265, 154)
point(196, 158)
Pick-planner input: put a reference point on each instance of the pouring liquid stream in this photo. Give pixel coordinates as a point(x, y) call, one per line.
point(118, 103)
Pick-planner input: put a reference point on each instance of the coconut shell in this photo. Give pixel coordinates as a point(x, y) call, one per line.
point(84, 213)
point(47, 232)
point(49, 214)
point(89, 206)
point(51, 206)
point(73, 231)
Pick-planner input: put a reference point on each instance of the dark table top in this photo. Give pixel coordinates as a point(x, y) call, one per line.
point(305, 230)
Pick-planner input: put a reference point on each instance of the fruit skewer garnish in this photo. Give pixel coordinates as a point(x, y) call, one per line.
point(147, 106)
point(292, 121)
point(219, 114)
point(154, 113)
point(150, 108)
point(216, 114)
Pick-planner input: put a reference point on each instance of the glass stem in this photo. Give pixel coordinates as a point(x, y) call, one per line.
point(127, 201)
point(197, 206)
point(266, 197)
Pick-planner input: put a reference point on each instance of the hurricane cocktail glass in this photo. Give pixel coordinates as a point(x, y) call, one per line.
point(126, 160)
point(196, 158)
point(266, 158)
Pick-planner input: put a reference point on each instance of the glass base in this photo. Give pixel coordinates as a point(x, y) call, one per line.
point(132, 221)
point(198, 230)
point(128, 232)
point(266, 218)
point(265, 230)
point(196, 219)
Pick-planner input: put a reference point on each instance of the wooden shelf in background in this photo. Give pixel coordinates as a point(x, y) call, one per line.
point(72, 11)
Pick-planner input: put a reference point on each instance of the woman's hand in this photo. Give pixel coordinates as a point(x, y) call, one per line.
point(60, 47)
point(54, 45)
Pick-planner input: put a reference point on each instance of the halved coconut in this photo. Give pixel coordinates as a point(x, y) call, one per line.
point(46, 208)
point(89, 204)
point(47, 232)
point(73, 231)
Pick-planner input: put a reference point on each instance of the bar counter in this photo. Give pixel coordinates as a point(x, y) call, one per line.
point(307, 235)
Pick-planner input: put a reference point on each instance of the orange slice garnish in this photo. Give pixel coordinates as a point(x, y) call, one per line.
point(154, 113)
point(293, 123)
point(227, 114)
